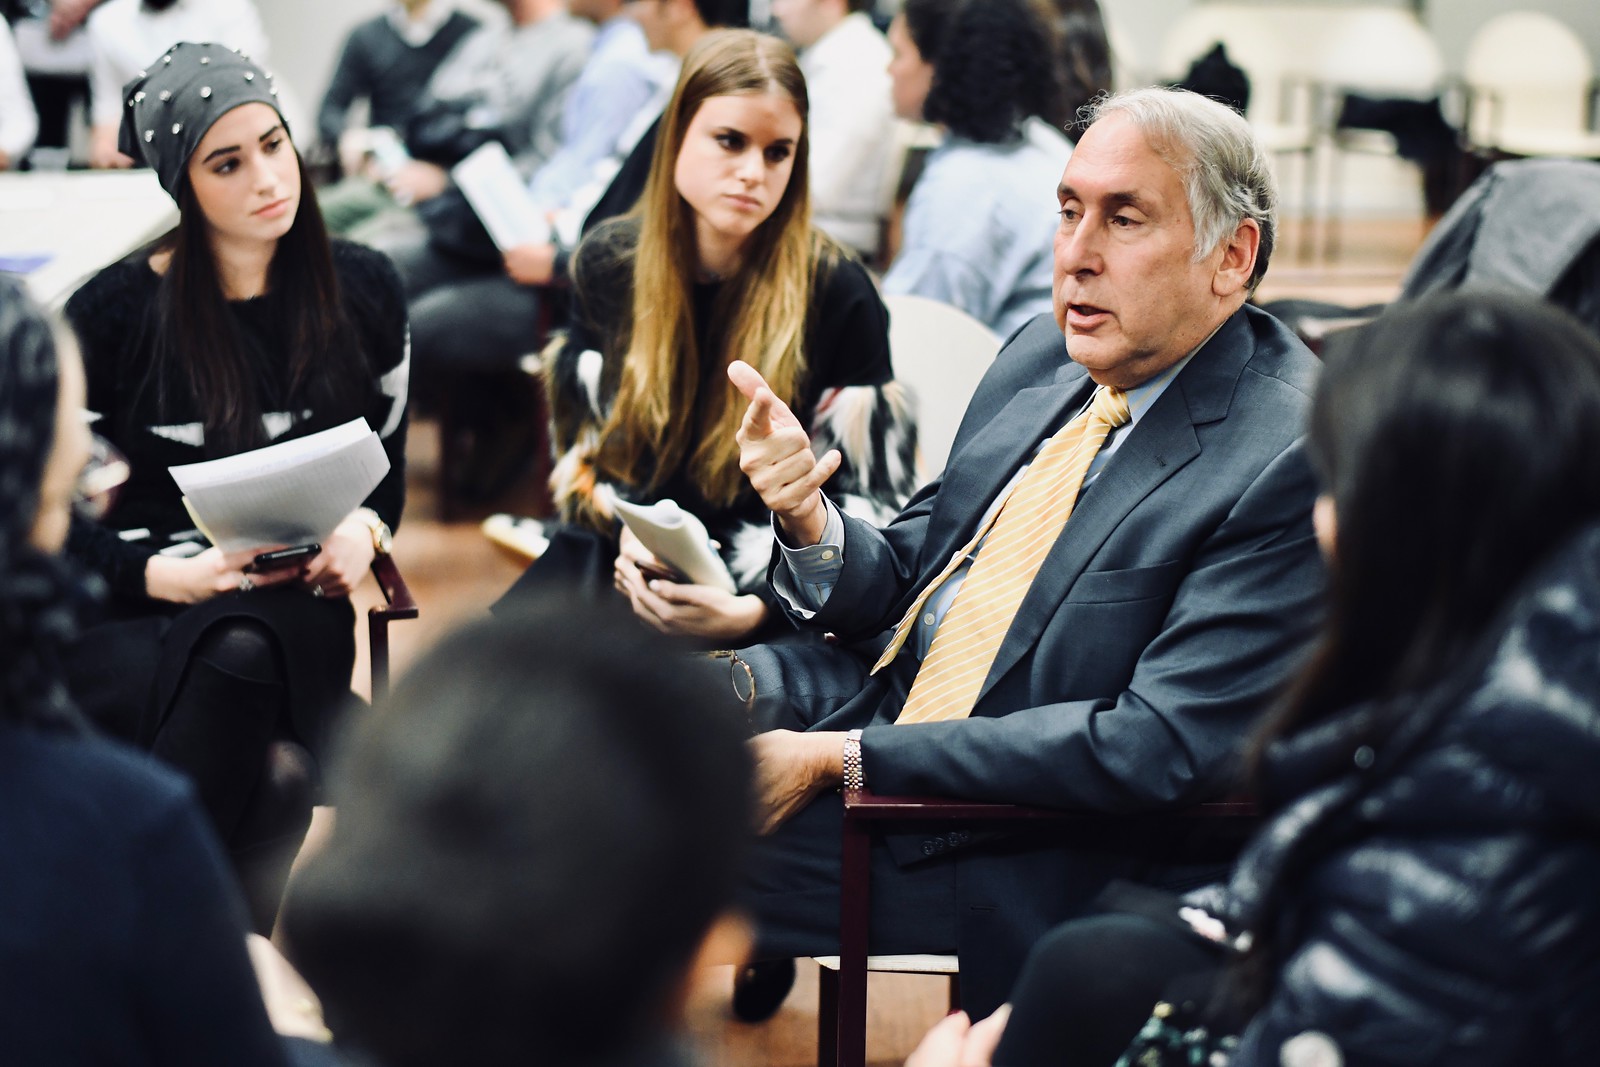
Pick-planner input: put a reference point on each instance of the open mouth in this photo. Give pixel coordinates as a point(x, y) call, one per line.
point(1086, 316)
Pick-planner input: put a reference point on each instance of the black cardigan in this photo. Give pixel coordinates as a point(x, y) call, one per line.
point(158, 426)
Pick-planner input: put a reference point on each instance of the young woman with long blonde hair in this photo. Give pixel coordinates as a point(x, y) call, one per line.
point(718, 262)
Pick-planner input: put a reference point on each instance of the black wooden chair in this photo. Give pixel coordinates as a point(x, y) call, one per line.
point(842, 992)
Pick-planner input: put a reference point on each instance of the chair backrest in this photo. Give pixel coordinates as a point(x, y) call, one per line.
point(1529, 72)
point(1381, 51)
point(1252, 46)
point(940, 352)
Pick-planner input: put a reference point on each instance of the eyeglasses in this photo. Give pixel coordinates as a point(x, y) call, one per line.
point(101, 480)
point(740, 675)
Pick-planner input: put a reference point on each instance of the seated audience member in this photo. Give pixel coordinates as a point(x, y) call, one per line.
point(241, 327)
point(1424, 891)
point(124, 937)
point(720, 263)
point(977, 229)
point(496, 85)
point(126, 36)
point(19, 123)
point(387, 61)
point(502, 431)
point(538, 844)
point(470, 310)
point(671, 28)
point(1112, 661)
point(845, 60)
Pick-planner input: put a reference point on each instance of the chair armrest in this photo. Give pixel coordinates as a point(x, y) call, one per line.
point(863, 804)
point(398, 601)
point(398, 604)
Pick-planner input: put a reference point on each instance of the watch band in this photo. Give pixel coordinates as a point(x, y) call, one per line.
point(382, 537)
point(855, 777)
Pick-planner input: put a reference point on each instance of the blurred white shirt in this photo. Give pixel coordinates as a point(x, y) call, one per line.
point(19, 123)
point(852, 122)
point(125, 39)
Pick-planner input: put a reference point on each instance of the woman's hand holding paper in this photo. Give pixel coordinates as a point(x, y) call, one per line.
point(681, 607)
point(343, 561)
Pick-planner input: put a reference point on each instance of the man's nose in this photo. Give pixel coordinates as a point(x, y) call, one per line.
point(1078, 250)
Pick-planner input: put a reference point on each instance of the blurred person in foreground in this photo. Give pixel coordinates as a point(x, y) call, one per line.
point(538, 844)
point(122, 936)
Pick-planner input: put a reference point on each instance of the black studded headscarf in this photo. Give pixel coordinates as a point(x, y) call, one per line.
point(39, 595)
point(169, 107)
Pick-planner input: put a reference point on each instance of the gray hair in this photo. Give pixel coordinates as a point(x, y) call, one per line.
point(1225, 171)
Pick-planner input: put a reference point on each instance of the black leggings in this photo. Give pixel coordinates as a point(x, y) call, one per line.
point(1089, 985)
point(227, 729)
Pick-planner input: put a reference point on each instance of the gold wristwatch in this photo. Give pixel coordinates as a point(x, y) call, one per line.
point(382, 538)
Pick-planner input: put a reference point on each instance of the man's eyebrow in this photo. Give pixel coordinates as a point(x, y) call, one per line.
point(1067, 192)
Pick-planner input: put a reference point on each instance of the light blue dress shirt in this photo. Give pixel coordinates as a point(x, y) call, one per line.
point(619, 79)
point(980, 227)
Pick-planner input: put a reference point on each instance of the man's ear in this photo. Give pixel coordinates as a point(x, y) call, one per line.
point(729, 939)
point(1238, 260)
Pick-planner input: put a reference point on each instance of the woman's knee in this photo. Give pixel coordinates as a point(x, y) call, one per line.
point(241, 647)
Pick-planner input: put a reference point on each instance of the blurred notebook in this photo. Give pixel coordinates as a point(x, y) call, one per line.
point(491, 184)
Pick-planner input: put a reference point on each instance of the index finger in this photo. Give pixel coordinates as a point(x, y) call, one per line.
point(747, 379)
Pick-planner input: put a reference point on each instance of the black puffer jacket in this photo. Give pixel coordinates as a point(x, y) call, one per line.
point(1436, 896)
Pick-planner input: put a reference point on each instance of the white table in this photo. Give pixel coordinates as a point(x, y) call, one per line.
point(82, 221)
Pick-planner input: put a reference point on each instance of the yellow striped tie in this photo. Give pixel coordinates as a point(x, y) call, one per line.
point(1020, 537)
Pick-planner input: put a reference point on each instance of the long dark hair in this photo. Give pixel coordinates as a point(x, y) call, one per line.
point(994, 64)
point(39, 592)
point(198, 343)
point(1459, 437)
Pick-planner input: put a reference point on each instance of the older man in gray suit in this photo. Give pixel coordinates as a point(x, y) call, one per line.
point(1091, 605)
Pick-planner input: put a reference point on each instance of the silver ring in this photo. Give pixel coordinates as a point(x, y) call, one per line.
point(316, 590)
point(246, 583)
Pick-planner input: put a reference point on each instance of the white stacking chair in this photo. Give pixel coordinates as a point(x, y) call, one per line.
point(1384, 52)
point(940, 352)
point(1530, 88)
point(1284, 98)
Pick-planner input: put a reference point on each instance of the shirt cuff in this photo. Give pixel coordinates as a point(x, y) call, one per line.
point(807, 575)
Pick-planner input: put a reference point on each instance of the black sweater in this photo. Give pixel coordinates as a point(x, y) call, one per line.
point(158, 426)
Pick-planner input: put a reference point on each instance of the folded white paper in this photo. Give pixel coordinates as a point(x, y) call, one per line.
point(290, 493)
point(491, 184)
point(677, 539)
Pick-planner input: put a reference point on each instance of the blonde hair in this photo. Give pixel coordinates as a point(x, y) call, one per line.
point(761, 310)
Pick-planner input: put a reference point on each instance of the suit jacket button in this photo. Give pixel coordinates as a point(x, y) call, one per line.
point(928, 848)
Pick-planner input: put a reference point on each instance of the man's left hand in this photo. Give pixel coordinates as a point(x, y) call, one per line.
point(532, 264)
point(959, 1042)
point(417, 181)
point(791, 770)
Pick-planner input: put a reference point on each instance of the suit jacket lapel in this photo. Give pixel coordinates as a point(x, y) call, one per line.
point(1162, 443)
point(988, 461)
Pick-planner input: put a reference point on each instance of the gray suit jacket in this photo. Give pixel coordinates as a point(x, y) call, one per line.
point(1172, 608)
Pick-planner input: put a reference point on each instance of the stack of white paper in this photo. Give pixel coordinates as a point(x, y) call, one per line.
point(291, 493)
point(491, 184)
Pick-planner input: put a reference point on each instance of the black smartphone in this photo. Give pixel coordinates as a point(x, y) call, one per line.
point(283, 557)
